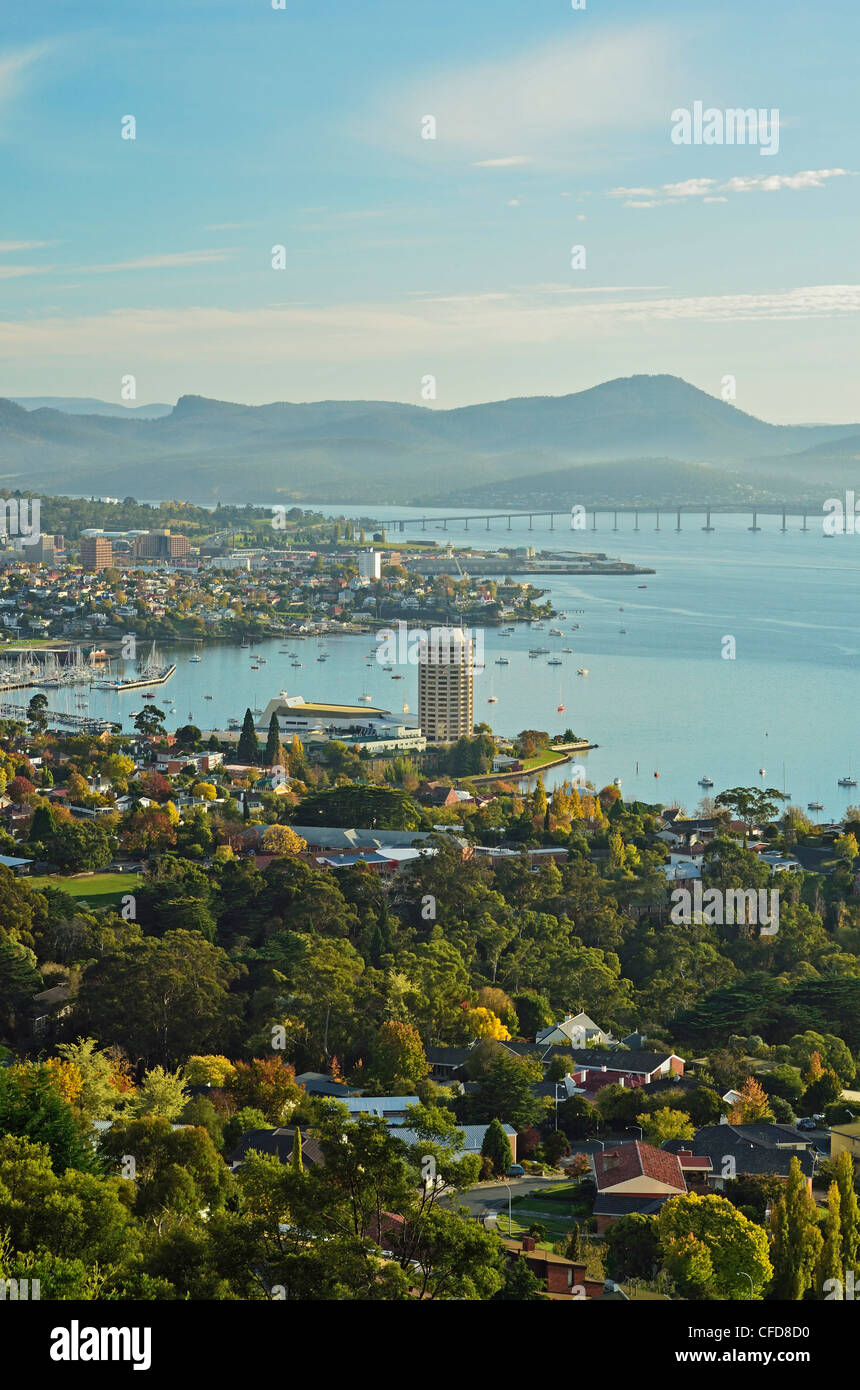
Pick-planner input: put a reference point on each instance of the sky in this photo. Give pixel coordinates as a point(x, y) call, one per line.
point(406, 258)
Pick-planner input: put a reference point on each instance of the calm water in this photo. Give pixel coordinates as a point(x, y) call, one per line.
point(660, 694)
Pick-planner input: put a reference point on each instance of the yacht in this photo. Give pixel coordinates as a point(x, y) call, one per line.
point(539, 651)
point(556, 632)
point(555, 661)
point(492, 699)
point(207, 697)
point(814, 806)
point(847, 782)
point(567, 650)
point(502, 661)
point(195, 658)
point(705, 782)
point(583, 671)
point(365, 699)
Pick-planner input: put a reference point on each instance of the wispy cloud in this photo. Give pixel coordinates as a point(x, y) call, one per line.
point(550, 103)
point(509, 161)
point(164, 260)
point(530, 316)
point(13, 65)
point(7, 246)
point(710, 191)
point(12, 272)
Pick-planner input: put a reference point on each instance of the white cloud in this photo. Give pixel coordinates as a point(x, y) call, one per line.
point(508, 162)
point(12, 272)
point(6, 246)
point(547, 315)
point(167, 259)
point(551, 103)
point(12, 66)
point(707, 188)
point(771, 183)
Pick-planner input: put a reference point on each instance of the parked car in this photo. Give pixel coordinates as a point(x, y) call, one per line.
point(819, 1120)
point(806, 1123)
point(516, 1170)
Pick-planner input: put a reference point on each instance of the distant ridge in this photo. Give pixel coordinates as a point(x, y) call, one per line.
point(665, 431)
point(89, 405)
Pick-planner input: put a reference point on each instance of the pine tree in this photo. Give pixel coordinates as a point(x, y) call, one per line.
point(496, 1147)
point(297, 1162)
point(273, 742)
point(849, 1216)
point(797, 1241)
point(248, 742)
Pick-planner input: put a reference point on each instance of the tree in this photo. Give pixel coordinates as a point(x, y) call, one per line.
point(268, 1084)
point(162, 1094)
point(281, 840)
point(521, 1285)
point(31, 1107)
point(555, 1146)
point(397, 1057)
point(37, 713)
point(297, 1162)
point(797, 1242)
point(150, 722)
point(825, 1090)
point(248, 748)
point(752, 805)
point(273, 742)
point(632, 1247)
point(496, 1147)
point(849, 1215)
point(734, 1246)
point(19, 979)
point(752, 1105)
point(665, 1123)
point(830, 1260)
point(160, 998)
point(505, 1093)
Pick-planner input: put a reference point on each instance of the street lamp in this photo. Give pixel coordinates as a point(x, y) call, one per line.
point(749, 1277)
point(639, 1127)
point(510, 1212)
point(557, 1084)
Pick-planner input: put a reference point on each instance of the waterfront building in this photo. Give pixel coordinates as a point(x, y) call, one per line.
point(370, 564)
point(446, 685)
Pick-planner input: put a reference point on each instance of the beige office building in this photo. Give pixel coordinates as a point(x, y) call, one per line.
point(446, 685)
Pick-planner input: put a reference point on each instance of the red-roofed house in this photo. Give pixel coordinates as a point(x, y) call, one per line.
point(634, 1178)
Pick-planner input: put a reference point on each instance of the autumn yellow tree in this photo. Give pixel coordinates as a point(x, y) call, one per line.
point(752, 1105)
point(282, 840)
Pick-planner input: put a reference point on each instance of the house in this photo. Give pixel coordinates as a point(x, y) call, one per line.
point(634, 1177)
point(473, 1138)
point(392, 1109)
point(48, 1006)
point(278, 1143)
point(316, 1083)
point(561, 1277)
point(593, 1068)
point(845, 1139)
point(739, 1151)
point(576, 1029)
point(18, 866)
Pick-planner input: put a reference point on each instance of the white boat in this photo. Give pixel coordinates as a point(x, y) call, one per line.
point(814, 806)
point(555, 661)
point(556, 632)
point(502, 661)
point(705, 782)
point(583, 671)
point(567, 650)
point(847, 782)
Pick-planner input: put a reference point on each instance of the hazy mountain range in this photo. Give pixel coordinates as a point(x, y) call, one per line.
point(649, 438)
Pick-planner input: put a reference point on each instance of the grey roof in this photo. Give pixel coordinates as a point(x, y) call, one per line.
point(474, 1136)
point(278, 1143)
point(316, 1083)
point(756, 1148)
point(332, 837)
point(620, 1060)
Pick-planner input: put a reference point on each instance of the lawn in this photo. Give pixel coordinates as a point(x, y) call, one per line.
point(549, 755)
point(551, 1208)
point(99, 890)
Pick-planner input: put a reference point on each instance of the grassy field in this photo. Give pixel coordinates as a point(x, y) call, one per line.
point(552, 1208)
point(100, 890)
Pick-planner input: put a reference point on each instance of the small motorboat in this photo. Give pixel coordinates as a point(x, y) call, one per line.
point(705, 782)
point(254, 666)
point(502, 661)
point(559, 709)
point(492, 699)
point(583, 671)
point(642, 586)
point(814, 806)
point(555, 661)
point(847, 782)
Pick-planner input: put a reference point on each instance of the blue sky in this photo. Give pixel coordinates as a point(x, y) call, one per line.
point(408, 257)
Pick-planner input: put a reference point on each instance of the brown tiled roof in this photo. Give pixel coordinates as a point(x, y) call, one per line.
point(637, 1160)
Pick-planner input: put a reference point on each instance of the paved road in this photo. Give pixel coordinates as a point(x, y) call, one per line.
point(494, 1196)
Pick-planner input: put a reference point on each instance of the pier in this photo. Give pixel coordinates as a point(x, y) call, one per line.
point(85, 723)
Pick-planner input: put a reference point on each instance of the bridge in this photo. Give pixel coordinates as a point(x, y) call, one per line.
point(580, 521)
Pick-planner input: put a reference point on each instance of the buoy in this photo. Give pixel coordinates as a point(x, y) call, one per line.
point(656, 774)
point(559, 709)
point(761, 771)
